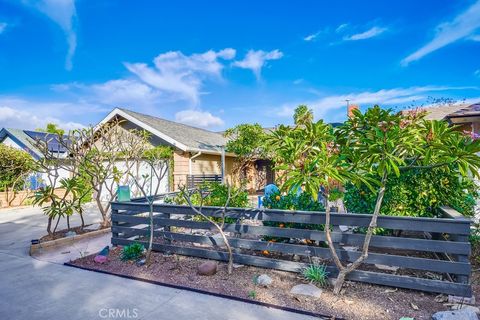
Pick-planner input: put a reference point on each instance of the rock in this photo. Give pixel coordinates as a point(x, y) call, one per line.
point(140, 262)
point(464, 300)
point(236, 265)
point(100, 259)
point(463, 314)
point(264, 280)
point(208, 268)
point(306, 290)
point(343, 228)
point(385, 267)
point(70, 234)
point(464, 307)
point(350, 248)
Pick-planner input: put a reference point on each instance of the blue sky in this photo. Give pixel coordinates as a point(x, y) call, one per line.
point(215, 64)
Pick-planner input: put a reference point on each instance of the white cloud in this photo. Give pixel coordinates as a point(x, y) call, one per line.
point(3, 26)
point(255, 60)
point(311, 37)
point(477, 73)
point(124, 92)
point(182, 75)
point(370, 33)
point(328, 105)
point(197, 118)
point(341, 28)
point(461, 27)
point(23, 119)
point(64, 14)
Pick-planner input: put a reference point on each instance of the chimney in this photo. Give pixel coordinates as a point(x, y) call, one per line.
point(350, 109)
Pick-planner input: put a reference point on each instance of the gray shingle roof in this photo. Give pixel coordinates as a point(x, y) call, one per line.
point(195, 139)
point(441, 112)
point(25, 139)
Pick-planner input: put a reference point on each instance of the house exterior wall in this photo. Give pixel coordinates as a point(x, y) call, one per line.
point(203, 164)
point(9, 142)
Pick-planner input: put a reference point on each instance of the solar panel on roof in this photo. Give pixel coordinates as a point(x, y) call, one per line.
point(53, 144)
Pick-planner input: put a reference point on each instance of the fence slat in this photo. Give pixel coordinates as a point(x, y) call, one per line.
point(357, 275)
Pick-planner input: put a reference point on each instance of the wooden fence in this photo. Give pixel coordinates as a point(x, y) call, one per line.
point(194, 180)
point(21, 198)
point(431, 253)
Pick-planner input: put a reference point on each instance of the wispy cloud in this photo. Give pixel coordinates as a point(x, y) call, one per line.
point(3, 27)
point(477, 73)
point(64, 14)
point(178, 74)
point(14, 115)
point(255, 60)
point(328, 106)
point(367, 34)
point(198, 118)
point(312, 37)
point(341, 27)
point(461, 27)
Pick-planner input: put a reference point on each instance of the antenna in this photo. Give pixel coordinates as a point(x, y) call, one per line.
point(348, 102)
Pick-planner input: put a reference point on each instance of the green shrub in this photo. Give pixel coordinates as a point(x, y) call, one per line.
point(417, 193)
point(132, 252)
point(15, 166)
point(316, 273)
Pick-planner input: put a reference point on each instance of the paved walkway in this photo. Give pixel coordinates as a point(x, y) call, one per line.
point(36, 289)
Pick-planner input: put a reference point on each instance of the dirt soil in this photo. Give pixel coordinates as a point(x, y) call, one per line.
point(357, 300)
point(61, 233)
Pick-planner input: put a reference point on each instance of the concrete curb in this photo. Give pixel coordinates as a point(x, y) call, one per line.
point(67, 240)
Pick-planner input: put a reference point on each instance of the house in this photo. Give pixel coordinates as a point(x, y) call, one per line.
point(24, 140)
point(466, 116)
point(197, 152)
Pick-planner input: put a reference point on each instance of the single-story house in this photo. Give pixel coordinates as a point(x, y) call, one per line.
point(24, 140)
point(197, 152)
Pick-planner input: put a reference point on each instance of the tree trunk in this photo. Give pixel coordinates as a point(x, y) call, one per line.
point(366, 244)
point(56, 225)
point(83, 220)
point(49, 226)
point(68, 223)
point(150, 240)
point(103, 211)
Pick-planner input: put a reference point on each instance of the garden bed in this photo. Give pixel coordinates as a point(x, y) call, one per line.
point(62, 233)
point(357, 300)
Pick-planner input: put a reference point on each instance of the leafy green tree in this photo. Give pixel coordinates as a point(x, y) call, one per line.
point(302, 115)
point(52, 128)
point(368, 149)
point(15, 166)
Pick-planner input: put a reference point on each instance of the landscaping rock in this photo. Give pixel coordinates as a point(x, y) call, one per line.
point(208, 268)
point(464, 300)
point(236, 265)
point(306, 290)
point(385, 267)
point(92, 227)
point(140, 262)
point(463, 314)
point(464, 307)
point(100, 259)
point(264, 280)
point(70, 234)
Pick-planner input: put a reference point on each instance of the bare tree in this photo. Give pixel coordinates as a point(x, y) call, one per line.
point(187, 195)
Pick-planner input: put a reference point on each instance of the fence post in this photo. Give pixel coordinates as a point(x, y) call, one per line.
point(454, 214)
point(114, 223)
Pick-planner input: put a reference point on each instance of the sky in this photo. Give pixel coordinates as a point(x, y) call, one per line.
point(215, 64)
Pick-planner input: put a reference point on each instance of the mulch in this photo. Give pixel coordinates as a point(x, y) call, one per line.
point(356, 301)
point(61, 233)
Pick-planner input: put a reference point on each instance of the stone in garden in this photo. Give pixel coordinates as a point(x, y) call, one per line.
point(306, 290)
point(236, 265)
point(350, 248)
point(464, 314)
point(70, 234)
point(385, 267)
point(208, 268)
point(463, 307)
point(140, 262)
point(464, 300)
point(102, 256)
point(264, 280)
point(92, 227)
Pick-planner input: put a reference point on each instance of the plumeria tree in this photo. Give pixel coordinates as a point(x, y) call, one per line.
point(367, 149)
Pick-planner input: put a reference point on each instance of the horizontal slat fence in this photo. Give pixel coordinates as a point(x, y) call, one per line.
point(194, 180)
point(414, 250)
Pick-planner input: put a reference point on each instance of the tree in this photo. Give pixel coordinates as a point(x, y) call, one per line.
point(52, 128)
point(302, 115)
point(15, 166)
point(156, 160)
point(367, 149)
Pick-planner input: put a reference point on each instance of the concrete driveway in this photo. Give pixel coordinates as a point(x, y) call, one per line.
point(35, 289)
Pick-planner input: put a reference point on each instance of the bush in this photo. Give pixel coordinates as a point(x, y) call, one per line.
point(417, 193)
point(316, 273)
point(15, 166)
point(132, 252)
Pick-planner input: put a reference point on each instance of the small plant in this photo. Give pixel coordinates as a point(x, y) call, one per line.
point(316, 273)
point(252, 294)
point(132, 252)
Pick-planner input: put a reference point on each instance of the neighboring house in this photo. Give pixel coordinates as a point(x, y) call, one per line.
point(24, 140)
point(466, 116)
point(197, 152)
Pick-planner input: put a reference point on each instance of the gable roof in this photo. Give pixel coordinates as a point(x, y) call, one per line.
point(183, 137)
point(26, 138)
point(468, 111)
point(446, 112)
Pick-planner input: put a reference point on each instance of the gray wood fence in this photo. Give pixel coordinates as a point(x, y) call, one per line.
point(427, 247)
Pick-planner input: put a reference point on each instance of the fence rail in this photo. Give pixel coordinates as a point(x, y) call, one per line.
point(414, 252)
point(194, 180)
